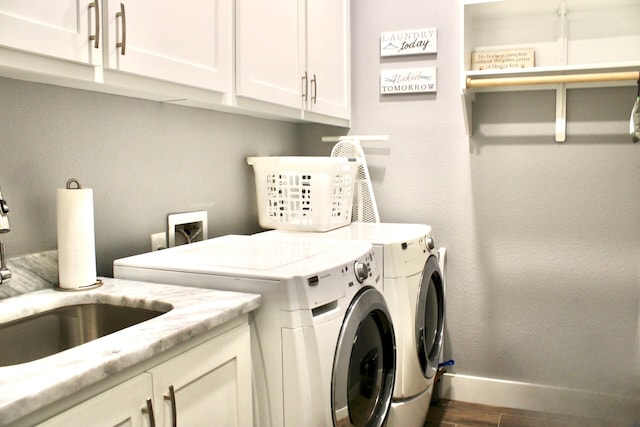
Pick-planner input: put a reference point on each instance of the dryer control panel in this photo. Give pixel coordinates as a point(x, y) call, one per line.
point(407, 258)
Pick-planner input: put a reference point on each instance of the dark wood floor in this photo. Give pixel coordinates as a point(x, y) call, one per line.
point(449, 413)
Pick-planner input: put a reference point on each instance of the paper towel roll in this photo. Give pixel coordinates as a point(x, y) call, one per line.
point(76, 239)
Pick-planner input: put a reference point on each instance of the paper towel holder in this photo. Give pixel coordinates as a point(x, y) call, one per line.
point(98, 282)
point(71, 181)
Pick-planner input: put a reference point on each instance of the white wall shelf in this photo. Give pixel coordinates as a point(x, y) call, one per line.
point(577, 44)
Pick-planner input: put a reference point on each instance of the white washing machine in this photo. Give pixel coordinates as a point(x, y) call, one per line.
point(323, 345)
point(414, 289)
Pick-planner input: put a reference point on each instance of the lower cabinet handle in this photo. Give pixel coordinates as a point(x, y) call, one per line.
point(122, 44)
point(149, 410)
point(174, 412)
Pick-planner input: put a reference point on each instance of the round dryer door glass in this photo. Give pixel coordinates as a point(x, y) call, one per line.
point(364, 363)
point(430, 317)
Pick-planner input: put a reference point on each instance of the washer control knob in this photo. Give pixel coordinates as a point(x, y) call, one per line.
point(362, 271)
point(430, 243)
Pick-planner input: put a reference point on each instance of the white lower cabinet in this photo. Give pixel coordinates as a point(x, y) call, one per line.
point(119, 406)
point(207, 385)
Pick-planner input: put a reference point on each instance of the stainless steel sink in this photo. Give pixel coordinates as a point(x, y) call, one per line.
point(53, 331)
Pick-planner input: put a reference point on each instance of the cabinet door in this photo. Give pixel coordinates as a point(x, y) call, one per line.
point(119, 406)
point(188, 43)
point(328, 57)
point(209, 385)
point(58, 28)
point(270, 51)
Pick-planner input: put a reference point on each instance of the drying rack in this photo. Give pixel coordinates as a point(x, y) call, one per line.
point(557, 78)
point(498, 81)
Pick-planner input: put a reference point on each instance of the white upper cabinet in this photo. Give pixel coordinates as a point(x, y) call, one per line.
point(295, 54)
point(328, 57)
point(188, 43)
point(292, 57)
point(270, 61)
point(60, 28)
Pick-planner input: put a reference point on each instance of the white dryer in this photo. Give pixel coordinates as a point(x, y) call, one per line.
point(414, 289)
point(323, 345)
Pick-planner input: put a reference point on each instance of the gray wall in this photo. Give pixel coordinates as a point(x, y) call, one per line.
point(142, 159)
point(543, 238)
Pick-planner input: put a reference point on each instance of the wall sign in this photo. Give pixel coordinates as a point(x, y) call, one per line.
point(409, 42)
point(502, 59)
point(408, 80)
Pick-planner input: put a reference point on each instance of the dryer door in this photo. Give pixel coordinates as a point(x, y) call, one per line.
point(429, 327)
point(364, 363)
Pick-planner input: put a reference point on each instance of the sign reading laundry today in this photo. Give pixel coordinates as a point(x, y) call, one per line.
point(408, 42)
point(408, 80)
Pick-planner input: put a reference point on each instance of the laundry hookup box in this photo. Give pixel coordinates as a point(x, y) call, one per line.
point(304, 193)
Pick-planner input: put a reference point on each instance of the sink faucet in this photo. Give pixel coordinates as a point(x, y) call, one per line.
point(5, 273)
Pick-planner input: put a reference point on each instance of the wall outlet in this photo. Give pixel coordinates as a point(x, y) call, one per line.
point(158, 241)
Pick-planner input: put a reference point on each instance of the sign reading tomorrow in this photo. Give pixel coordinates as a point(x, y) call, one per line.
point(408, 80)
point(408, 42)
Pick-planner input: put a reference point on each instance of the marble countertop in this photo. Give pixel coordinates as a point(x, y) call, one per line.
point(27, 387)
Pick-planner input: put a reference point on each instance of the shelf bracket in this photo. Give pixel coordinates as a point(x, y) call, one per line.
point(561, 89)
point(561, 113)
point(467, 106)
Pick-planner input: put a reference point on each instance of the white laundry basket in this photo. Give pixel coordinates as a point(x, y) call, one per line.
point(304, 193)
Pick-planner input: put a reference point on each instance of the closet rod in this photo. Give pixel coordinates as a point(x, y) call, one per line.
point(475, 83)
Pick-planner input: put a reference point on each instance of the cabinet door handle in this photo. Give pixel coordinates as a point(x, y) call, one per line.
point(122, 44)
point(96, 37)
point(305, 86)
point(172, 398)
point(149, 410)
point(314, 89)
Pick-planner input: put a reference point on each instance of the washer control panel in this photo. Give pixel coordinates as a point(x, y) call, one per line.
point(366, 270)
point(332, 284)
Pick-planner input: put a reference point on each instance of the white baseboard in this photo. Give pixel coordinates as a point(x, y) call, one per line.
point(538, 397)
